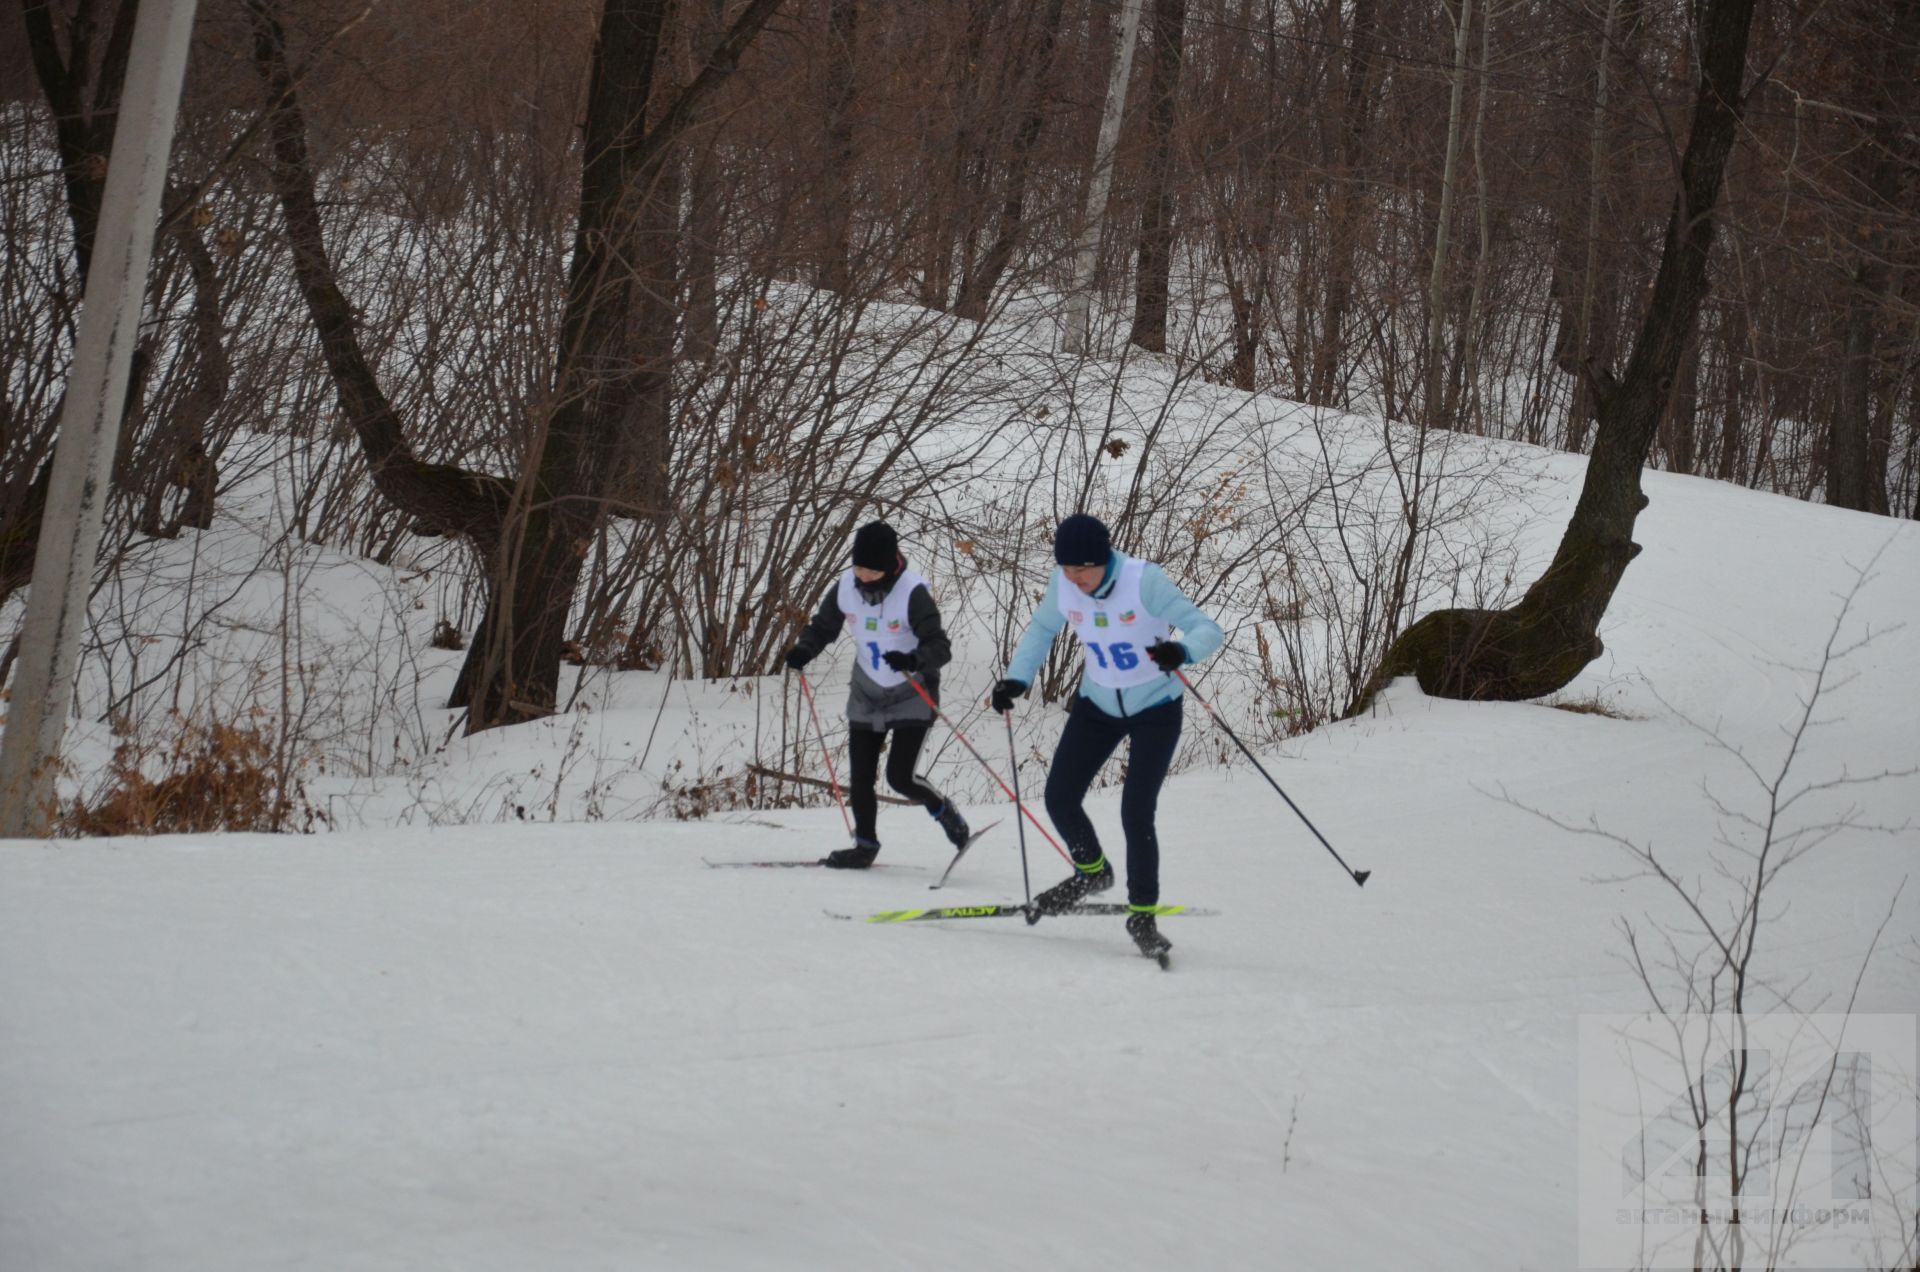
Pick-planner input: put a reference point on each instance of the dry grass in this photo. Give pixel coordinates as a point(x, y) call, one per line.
point(211, 777)
point(1591, 706)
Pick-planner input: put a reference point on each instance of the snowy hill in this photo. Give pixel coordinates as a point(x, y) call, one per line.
point(518, 1046)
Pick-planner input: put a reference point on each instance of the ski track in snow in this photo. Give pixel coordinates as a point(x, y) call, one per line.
point(558, 1047)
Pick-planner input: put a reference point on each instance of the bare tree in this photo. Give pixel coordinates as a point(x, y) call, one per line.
point(843, 21)
point(1093, 219)
point(81, 79)
point(985, 269)
point(1542, 643)
point(535, 532)
point(1344, 201)
point(1151, 278)
point(1857, 452)
point(1443, 225)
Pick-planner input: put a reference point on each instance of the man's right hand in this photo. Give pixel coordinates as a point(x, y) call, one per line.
point(1001, 699)
point(798, 658)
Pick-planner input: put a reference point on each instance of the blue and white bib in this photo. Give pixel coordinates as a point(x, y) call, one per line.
point(1117, 630)
point(879, 628)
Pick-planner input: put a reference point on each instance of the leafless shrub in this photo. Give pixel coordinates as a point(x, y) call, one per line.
point(209, 776)
point(1703, 971)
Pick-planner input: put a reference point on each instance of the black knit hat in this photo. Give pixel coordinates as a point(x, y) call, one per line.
point(876, 547)
point(1082, 540)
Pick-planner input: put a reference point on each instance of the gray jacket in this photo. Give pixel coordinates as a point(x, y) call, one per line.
point(874, 706)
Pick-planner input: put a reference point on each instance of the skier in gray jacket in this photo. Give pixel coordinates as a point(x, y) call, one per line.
point(890, 614)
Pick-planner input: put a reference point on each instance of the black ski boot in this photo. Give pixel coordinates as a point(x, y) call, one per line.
point(858, 857)
point(1085, 881)
point(1146, 934)
point(953, 823)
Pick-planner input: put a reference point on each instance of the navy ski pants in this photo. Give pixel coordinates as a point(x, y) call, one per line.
point(1090, 737)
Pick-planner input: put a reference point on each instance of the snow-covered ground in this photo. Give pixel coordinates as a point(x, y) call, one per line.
point(521, 1046)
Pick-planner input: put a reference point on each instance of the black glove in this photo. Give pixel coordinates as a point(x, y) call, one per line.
point(1167, 655)
point(901, 660)
point(1001, 699)
point(798, 658)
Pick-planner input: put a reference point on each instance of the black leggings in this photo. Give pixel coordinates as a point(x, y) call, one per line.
point(1090, 737)
point(864, 769)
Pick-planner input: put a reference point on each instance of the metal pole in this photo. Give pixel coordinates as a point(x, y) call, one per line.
point(1013, 762)
point(90, 421)
point(1359, 877)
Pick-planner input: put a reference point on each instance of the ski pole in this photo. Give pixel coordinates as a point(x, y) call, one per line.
point(1358, 876)
point(1011, 793)
point(1013, 764)
point(818, 732)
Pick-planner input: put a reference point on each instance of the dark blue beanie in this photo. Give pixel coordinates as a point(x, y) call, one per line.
point(1082, 540)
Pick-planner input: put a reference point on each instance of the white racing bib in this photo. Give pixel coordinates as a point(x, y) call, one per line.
point(1117, 630)
point(879, 628)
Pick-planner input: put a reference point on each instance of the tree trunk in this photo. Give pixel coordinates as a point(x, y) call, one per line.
point(1854, 479)
point(953, 221)
point(1344, 204)
point(1153, 274)
point(614, 375)
point(1586, 348)
point(83, 120)
point(610, 371)
point(705, 201)
point(1086, 250)
point(1465, 398)
point(1437, 281)
point(444, 499)
point(20, 537)
point(85, 104)
point(179, 454)
point(1542, 643)
point(835, 274)
point(983, 275)
point(1245, 366)
point(1732, 435)
point(597, 427)
point(1677, 427)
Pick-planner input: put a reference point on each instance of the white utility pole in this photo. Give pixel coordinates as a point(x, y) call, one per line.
point(1086, 250)
point(90, 420)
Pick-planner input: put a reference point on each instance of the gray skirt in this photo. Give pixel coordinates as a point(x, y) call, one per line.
point(879, 707)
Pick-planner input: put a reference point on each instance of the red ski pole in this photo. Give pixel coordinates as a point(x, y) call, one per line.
point(1011, 794)
point(833, 779)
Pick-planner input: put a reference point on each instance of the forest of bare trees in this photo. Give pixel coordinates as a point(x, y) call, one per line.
point(643, 305)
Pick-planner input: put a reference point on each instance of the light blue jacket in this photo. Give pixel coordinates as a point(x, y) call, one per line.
point(1200, 634)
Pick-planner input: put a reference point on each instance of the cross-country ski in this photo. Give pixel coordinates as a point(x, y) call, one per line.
point(1009, 910)
point(972, 839)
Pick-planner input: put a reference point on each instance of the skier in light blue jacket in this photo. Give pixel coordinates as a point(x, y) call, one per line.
point(1125, 612)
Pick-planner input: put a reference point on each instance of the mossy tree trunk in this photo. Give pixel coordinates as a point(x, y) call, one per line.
point(1540, 644)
